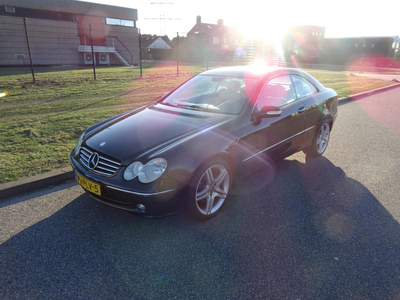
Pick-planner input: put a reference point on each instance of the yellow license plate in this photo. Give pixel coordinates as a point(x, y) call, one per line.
point(87, 184)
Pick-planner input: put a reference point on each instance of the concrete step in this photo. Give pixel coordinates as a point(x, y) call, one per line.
point(121, 58)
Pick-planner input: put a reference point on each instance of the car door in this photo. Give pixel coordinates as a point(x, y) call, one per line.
point(277, 134)
point(307, 93)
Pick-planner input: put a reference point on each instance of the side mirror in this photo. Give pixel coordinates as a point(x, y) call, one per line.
point(269, 111)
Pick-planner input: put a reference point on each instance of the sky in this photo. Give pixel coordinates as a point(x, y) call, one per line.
point(341, 18)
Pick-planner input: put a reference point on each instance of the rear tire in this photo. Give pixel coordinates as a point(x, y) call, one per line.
point(209, 189)
point(320, 140)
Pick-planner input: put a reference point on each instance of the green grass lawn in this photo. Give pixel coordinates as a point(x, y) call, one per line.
point(40, 123)
point(345, 84)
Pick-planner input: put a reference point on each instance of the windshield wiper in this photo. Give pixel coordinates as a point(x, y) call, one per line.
point(201, 107)
point(168, 104)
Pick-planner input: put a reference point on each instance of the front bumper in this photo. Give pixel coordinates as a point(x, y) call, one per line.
point(158, 203)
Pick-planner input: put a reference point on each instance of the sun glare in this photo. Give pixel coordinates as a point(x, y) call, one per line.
point(259, 66)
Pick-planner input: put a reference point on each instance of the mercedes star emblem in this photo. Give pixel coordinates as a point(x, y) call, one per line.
point(94, 160)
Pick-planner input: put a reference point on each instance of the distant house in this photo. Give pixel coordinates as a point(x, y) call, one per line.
point(155, 47)
point(380, 51)
point(304, 43)
point(213, 41)
point(220, 42)
point(60, 33)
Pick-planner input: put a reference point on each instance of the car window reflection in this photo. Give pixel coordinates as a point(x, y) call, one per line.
point(220, 94)
point(277, 92)
point(303, 87)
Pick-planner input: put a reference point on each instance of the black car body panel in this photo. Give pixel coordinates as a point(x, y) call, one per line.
point(187, 137)
point(148, 129)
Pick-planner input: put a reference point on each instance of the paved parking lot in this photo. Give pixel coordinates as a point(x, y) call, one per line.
point(325, 228)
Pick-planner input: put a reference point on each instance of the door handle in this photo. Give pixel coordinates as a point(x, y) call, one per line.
point(301, 110)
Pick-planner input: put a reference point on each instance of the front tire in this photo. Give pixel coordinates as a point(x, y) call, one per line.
point(320, 141)
point(209, 189)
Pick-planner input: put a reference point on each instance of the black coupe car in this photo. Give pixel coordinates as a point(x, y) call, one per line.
point(188, 148)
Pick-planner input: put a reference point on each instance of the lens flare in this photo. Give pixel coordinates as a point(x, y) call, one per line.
point(239, 52)
point(3, 95)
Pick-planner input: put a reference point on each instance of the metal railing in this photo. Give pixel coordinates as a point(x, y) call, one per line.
point(122, 44)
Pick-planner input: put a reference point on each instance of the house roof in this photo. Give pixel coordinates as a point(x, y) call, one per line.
point(76, 7)
point(212, 29)
point(154, 42)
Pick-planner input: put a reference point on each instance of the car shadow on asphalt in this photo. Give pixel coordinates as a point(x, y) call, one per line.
point(304, 231)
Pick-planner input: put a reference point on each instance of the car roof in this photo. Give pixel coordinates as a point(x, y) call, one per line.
point(258, 72)
point(251, 71)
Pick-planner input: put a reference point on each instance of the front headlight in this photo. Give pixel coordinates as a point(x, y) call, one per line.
point(132, 171)
point(79, 144)
point(148, 172)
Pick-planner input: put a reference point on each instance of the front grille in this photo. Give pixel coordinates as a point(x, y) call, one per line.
point(106, 166)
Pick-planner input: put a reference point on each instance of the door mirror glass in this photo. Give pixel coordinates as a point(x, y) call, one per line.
point(269, 111)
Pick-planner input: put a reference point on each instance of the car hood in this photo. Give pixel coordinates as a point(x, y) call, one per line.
point(149, 130)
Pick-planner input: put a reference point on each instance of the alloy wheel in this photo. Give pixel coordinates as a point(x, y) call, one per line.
point(323, 138)
point(212, 189)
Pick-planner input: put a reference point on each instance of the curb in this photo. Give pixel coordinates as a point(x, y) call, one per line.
point(25, 185)
point(368, 93)
point(14, 188)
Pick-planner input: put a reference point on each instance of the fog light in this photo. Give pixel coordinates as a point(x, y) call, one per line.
point(141, 207)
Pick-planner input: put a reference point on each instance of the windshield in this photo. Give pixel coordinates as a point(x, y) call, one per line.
point(219, 94)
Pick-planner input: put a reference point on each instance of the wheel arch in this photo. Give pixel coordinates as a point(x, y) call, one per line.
point(229, 159)
point(325, 117)
point(328, 118)
point(224, 156)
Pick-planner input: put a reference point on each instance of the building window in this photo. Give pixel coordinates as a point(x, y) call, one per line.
point(127, 23)
point(372, 45)
point(356, 45)
point(365, 45)
point(10, 9)
point(66, 16)
point(119, 22)
point(215, 40)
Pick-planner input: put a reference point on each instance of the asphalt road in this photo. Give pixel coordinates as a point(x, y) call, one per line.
point(325, 228)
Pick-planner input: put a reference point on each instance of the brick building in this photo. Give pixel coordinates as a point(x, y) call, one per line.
point(59, 33)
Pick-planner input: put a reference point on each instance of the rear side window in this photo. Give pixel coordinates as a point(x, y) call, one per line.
point(303, 87)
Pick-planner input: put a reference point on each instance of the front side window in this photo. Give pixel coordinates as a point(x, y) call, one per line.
point(219, 94)
point(303, 87)
point(278, 91)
